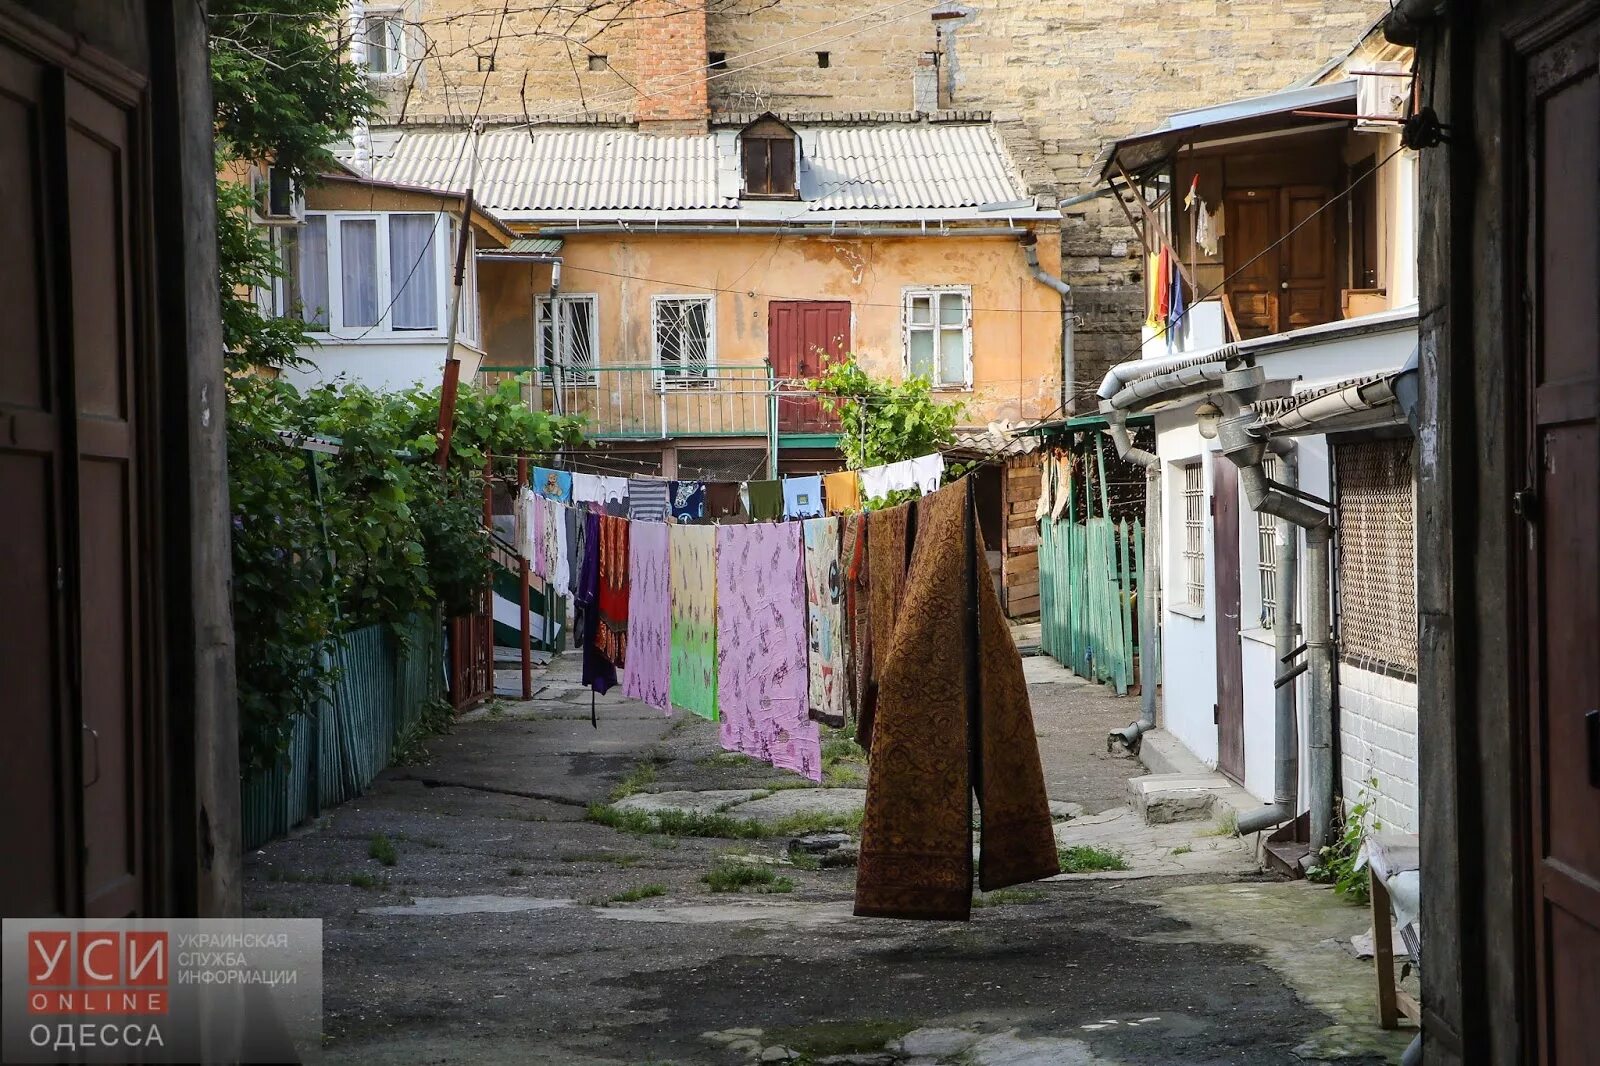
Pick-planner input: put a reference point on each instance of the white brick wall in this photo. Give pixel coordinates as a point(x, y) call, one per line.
point(1378, 739)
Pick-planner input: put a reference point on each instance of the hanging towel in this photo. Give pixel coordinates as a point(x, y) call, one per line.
point(572, 538)
point(875, 482)
point(536, 557)
point(1043, 508)
point(598, 672)
point(551, 557)
point(842, 492)
point(587, 490)
point(1063, 485)
point(648, 499)
point(857, 659)
point(761, 649)
point(886, 561)
point(553, 484)
point(562, 573)
point(825, 621)
point(1175, 309)
point(722, 501)
point(612, 634)
point(614, 496)
point(694, 618)
point(903, 475)
point(1163, 287)
point(802, 497)
point(1152, 310)
point(928, 472)
point(766, 500)
point(649, 667)
point(527, 542)
point(916, 837)
point(688, 501)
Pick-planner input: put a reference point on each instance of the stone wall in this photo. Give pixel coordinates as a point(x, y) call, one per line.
point(1072, 74)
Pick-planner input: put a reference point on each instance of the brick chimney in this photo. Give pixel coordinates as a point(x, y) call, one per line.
point(670, 49)
point(925, 83)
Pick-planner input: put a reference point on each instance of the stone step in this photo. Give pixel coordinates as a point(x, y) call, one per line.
point(1162, 798)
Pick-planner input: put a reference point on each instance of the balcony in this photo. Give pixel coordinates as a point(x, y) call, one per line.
point(644, 402)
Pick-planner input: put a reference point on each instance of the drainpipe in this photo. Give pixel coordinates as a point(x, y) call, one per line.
point(1030, 252)
point(1286, 725)
point(1150, 595)
point(1246, 451)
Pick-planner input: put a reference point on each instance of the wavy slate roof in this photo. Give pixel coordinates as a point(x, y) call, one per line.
point(927, 166)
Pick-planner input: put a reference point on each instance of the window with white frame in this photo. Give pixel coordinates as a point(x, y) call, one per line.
point(1194, 534)
point(683, 328)
point(374, 274)
point(384, 35)
point(1267, 553)
point(568, 338)
point(938, 335)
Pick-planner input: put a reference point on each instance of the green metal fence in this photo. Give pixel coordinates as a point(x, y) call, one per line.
point(385, 679)
point(1091, 571)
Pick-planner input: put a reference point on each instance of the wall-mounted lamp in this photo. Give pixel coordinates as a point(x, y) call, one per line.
point(1206, 416)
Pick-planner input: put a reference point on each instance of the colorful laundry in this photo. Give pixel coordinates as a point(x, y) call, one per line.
point(688, 501)
point(527, 542)
point(842, 492)
point(553, 484)
point(599, 673)
point(722, 501)
point(586, 491)
point(825, 622)
point(612, 633)
point(927, 472)
point(761, 650)
point(916, 837)
point(765, 500)
point(552, 556)
point(694, 618)
point(572, 518)
point(536, 556)
point(802, 497)
point(649, 499)
point(886, 561)
point(857, 650)
point(647, 675)
point(614, 496)
point(875, 482)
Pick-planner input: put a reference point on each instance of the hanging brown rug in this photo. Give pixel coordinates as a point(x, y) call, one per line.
point(952, 719)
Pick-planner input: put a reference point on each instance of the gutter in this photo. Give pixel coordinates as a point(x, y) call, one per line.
point(803, 230)
point(1150, 595)
point(1407, 19)
point(1069, 368)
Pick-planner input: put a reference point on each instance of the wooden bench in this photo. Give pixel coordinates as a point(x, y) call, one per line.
point(1391, 857)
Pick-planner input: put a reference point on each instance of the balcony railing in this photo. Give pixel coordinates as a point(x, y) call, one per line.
point(621, 402)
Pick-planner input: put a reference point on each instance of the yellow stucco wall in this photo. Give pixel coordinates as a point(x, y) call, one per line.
point(1016, 321)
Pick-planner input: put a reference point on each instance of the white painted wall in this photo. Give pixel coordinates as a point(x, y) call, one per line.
point(383, 366)
point(1378, 740)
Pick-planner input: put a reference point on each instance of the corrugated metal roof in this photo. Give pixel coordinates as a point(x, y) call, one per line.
point(535, 246)
point(562, 172)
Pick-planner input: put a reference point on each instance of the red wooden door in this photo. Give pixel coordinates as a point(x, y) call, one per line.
point(1230, 657)
point(803, 338)
point(1561, 568)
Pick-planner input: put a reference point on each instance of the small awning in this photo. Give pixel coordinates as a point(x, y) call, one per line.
point(526, 250)
point(1271, 113)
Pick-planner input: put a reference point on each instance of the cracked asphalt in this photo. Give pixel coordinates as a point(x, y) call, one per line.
point(512, 929)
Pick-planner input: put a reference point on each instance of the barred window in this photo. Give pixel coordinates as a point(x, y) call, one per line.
point(1267, 554)
point(1194, 534)
point(568, 327)
point(684, 340)
point(1377, 543)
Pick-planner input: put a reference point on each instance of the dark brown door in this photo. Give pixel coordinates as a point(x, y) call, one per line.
point(1230, 658)
point(1251, 262)
point(1562, 565)
point(76, 614)
point(804, 337)
point(1279, 254)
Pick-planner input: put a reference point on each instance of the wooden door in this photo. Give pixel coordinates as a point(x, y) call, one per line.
point(803, 338)
point(1230, 657)
point(1250, 259)
point(1308, 290)
point(1560, 574)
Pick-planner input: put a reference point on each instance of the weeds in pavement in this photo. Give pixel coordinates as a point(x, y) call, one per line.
point(1182, 849)
point(304, 876)
point(641, 776)
point(728, 758)
point(835, 1037)
point(844, 762)
point(381, 849)
point(804, 860)
point(728, 876)
point(784, 784)
point(368, 881)
point(634, 895)
point(436, 718)
point(817, 822)
point(1087, 859)
point(617, 858)
point(515, 871)
point(1004, 896)
point(1226, 826)
point(676, 823)
point(1336, 863)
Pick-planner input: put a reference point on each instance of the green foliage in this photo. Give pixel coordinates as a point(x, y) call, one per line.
point(381, 848)
point(676, 823)
point(1002, 897)
point(436, 718)
point(637, 893)
point(885, 422)
point(247, 263)
point(1336, 863)
point(1086, 859)
point(732, 876)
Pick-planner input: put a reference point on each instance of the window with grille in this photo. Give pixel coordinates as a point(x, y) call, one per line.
point(1194, 534)
point(385, 38)
point(1267, 553)
point(568, 338)
point(938, 331)
point(1377, 563)
point(684, 346)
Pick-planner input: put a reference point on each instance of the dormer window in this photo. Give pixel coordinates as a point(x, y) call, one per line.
point(770, 153)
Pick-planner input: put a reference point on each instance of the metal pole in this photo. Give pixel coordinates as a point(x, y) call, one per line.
point(522, 583)
point(772, 425)
point(1319, 654)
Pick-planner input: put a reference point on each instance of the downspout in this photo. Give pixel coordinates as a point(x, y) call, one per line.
point(1150, 594)
point(1030, 252)
point(1265, 496)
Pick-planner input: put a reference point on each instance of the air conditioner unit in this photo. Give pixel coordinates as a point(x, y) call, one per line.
point(277, 202)
point(1382, 95)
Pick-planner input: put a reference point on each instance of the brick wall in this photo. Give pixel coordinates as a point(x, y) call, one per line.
point(669, 43)
point(1378, 739)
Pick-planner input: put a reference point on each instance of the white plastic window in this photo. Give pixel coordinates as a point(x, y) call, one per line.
point(938, 336)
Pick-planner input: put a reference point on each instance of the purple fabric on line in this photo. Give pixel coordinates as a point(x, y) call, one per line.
point(761, 646)
point(537, 561)
point(598, 673)
point(647, 674)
